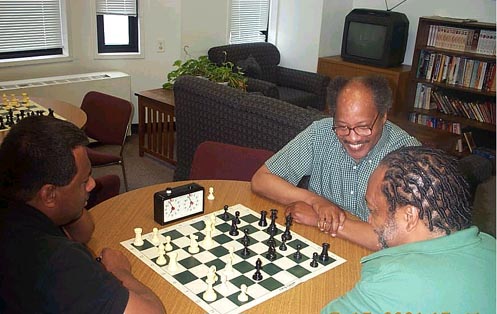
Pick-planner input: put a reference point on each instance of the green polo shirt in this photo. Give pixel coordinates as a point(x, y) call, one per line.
point(452, 274)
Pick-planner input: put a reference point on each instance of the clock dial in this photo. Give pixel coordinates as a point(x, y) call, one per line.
point(178, 202)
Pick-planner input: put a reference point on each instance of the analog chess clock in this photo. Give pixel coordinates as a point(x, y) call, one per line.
point(179, 202)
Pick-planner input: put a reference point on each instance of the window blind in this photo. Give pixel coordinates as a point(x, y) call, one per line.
point(116, 7)
point(248, 19)
point(30, 25)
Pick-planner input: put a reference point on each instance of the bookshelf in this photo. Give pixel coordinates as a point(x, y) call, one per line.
point(451, 88)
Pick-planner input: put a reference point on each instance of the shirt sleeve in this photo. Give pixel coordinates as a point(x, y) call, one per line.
point(76, 283)
point(294, 160)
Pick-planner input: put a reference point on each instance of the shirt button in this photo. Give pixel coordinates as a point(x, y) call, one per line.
point(370, 161)
point(352, 192)
point(355, 167)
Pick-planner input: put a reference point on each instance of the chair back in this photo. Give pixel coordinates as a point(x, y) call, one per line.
point(108, 117)
point(220, 161)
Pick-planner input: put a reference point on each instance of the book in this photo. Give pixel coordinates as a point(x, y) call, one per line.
point(430, 66)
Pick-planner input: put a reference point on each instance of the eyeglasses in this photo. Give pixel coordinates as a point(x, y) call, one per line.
point(359, 130)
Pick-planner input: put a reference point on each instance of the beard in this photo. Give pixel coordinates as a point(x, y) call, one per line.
point(386, 233)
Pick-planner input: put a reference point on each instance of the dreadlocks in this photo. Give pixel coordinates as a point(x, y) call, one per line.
point(428, 179)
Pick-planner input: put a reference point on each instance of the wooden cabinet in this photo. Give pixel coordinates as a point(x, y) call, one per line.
point(398, 77)
point(452, 83)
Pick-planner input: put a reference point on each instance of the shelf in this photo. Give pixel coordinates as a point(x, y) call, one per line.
point(466, 54)
point(456, 88)
point(462, 120)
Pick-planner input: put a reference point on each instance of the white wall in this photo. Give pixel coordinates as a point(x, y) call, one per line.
point(306, 30)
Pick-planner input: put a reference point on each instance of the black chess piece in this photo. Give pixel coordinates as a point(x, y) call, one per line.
point(237, 216)
point(258, 266)
point(263, 220)
point(245, 250)
point(271, 253)
point(283, 244)
point(2, 126)
point(298, 255)
point(314, 262)
point(288, 223)
point(234, 228)
point(23, 114)
point(271, 240)
point(51, 113)
point(274, 213)
point(245, 236)
point(225, 215)
point(324, 257)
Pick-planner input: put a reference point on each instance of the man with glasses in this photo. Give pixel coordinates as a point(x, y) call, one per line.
point(338, 155)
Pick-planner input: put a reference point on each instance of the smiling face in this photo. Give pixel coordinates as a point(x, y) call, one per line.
point(355, 108)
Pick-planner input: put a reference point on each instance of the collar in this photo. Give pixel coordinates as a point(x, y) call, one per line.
point(456, 240)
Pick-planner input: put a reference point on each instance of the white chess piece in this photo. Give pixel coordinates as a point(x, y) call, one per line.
point(207, 242)
point(155, 237)
point(161, 248)
point(211, 197)
point(224, 282)
point(209, 294)
point(228, 268)
point(173, 263)
point(243, 297)
point(168, 245)
point(232, 253)
point(138, 237)
point(211, 275)
point(212, 216)
point(161, 260)
point(193, 248)
point(208, 225)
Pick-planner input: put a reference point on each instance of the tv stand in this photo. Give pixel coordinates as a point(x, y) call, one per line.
point(397, 77)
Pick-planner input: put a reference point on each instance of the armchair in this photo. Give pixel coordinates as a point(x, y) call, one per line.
point(260, 62)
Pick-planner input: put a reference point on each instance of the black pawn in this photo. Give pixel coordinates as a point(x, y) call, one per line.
point(314, 262)
point(297, 255)
point(237, 216)
point(271, 253)
point(288, 224)
point(246, 237)
point(263, 221)
point(234, 228)
point(245, 250)
point(271, 241)
point(225, 216)
point(324, 257)
point(283, 245)
point(258, 266)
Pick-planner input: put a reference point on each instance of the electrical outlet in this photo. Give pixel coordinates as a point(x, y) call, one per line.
point(161, 45)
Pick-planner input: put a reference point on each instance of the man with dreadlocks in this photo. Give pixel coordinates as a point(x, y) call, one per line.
point(433, 260)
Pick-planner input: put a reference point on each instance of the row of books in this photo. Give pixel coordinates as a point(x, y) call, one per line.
point(434, 122)
point(462, 39)
point(429, 98)
point(455, 70)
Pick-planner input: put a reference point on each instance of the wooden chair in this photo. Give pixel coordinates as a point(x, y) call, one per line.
point(214, 160)
point(108, 119)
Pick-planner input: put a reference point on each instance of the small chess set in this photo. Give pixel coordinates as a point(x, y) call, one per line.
point(14, 109)
point(232, 259)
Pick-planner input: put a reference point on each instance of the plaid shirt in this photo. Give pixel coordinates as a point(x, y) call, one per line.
point(317, 152)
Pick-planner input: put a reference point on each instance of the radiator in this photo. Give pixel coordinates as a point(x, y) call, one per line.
point(72, 88)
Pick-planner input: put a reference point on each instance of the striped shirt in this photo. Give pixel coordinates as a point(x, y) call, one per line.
point(317, 152)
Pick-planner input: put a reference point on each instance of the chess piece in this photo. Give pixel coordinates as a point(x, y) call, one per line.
point(234, 228)
point(237, 216)
point(211, 197)
point(245, 250)
point(208, 226)
point(245, 236)
point(207, 242)
point(288, 223)
point(314, 262)
point(283, 243)
point(271, 253)
point(228, 268)
point(225, 216)
point(173, 261)
point(138, 237)
point(209, 295)
point(168, 247)
point(263, 220)
point(193, 248)
point(155, 237)
point(258, 266)
point(324, 257)
point(298, 255)
point(211, 275)
point(161, 260)
point(243, 297)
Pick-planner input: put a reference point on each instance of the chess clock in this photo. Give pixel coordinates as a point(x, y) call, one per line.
point(179, 202)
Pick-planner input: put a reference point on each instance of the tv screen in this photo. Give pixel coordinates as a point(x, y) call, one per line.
point(375, 37)
point(366, 40)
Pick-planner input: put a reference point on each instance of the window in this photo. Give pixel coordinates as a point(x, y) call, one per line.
point(249, 21)
point(117, 26)
point(31, 28)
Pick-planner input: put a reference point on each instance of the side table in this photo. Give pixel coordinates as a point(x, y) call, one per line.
point(156, 130)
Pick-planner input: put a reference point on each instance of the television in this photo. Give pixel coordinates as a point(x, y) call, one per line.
point(375, 37)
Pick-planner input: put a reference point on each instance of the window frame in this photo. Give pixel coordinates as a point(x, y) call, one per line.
point(133, 35)
point(267, 33)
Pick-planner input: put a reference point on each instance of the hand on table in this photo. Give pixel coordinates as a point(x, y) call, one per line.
point(302, 213)
point(328, 217)
point(115, 261)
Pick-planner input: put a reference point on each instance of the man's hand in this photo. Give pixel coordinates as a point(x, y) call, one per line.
point(302, 213)
point(115, 261)
point(330, 217)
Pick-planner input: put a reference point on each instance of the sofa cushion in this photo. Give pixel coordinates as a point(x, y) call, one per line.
point(297, 97)
point(250, 67)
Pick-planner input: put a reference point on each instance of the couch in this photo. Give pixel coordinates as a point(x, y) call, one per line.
point(207, 111)
point(260, 63)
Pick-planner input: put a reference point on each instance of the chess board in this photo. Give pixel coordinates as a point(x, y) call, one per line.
point(278, 276)
point(27, 108)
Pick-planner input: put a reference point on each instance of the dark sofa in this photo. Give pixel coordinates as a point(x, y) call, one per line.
point(207, 111)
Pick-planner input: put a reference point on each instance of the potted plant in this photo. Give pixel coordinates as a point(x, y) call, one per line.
point(226, 74)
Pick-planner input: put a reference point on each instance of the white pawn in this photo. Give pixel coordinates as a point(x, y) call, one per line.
point(138, 237)
point(168, 247)
point(193, 248)
point(228, 268)
point(161, 248)
point(155, 237)
point(161, 260)
point(173, 263)
point(211, 197)
point(209, 294)
point(243, 297)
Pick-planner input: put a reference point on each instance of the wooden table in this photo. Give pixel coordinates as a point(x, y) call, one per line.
point(64, 109)
point(156, 124)
point(116, 218)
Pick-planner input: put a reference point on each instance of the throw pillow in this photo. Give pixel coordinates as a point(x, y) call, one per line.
point(250, 67)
